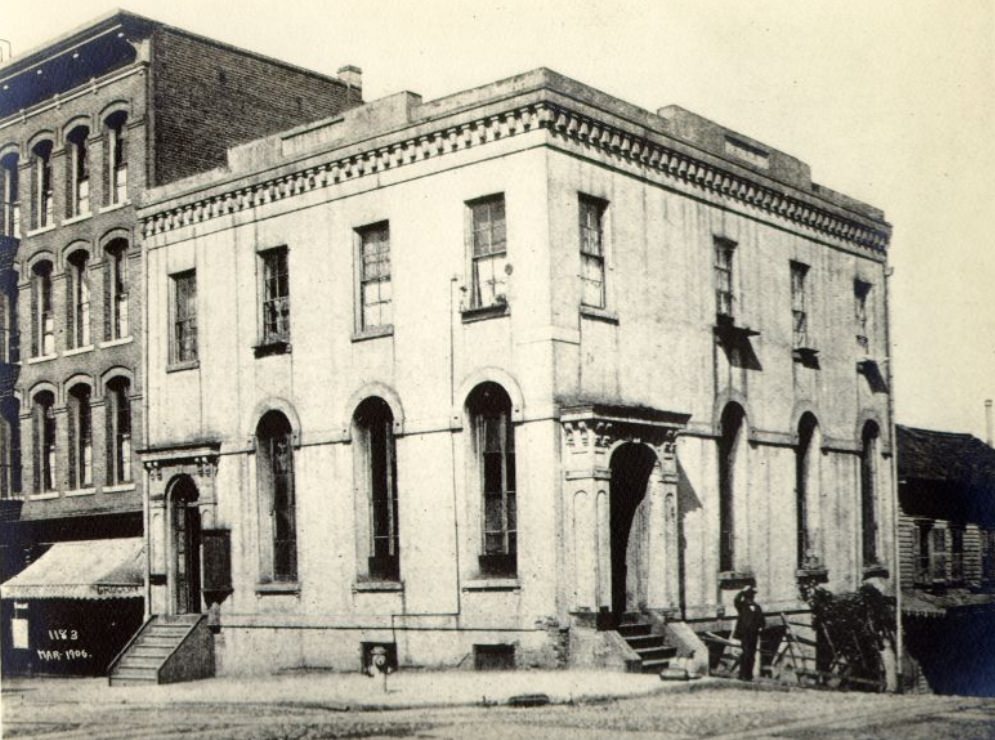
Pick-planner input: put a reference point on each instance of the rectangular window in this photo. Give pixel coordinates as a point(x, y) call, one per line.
point(375, 294)
point(275, 296)
point(861, 301)
point(43, 195)
point(118, 416)
point(78, 173)
point(184, 344)
point(592, 251)
point(116, 292)
point(489, 279)
point(497, 441)
point(938, 554)
point(118, 160)
point(80, 439)
point(77, 301)
point(42, 314)
point(799, 307)
point(10, 208)
point(724, 294)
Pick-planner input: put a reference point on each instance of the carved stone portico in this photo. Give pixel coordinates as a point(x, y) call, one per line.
point(166, 468)
point(591, 437)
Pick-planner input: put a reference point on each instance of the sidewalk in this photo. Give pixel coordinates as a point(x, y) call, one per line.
point(356, 692)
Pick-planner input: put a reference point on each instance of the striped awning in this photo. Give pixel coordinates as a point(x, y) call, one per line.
point(90, 569)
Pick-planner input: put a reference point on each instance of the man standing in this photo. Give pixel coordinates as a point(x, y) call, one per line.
point(749, 622)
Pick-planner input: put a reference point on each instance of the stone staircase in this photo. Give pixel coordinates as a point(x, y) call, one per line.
point(652, 649)
point(165, 649)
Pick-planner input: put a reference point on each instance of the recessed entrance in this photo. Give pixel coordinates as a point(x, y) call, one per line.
point(185, 520)
point(631, 465)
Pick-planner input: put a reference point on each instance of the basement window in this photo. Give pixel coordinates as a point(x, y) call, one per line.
point(499, 657)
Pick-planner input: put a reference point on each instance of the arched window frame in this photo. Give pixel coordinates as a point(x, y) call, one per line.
point(377, 499)
point(80, 432)
point(78, 172)
point(116, 287)
point(492, 443)
point(42, 189)
point(42, 309)
point(274, 441)
point(731, 447)
point(10, 199)
point(116, 158)
point(807, 493)
point(869, 471)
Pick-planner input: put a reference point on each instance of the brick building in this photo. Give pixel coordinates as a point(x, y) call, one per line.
point(87, 123)
point(481, 378)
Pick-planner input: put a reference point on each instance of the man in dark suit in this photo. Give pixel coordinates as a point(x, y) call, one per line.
point(749, 622)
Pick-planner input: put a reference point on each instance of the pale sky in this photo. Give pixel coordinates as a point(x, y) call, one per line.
point(890, 101)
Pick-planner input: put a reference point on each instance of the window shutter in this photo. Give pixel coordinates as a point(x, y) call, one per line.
point(35, 319)
point(108, 293)
point(110, 438)
point(38, 454)
point(74, 412)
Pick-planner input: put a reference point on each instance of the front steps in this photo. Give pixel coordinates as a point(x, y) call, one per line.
point(166, 650)
point(652, 649)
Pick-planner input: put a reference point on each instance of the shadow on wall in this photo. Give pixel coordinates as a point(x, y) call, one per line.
point(956, 654)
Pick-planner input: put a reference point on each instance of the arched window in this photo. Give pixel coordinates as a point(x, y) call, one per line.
point(868, 492)
point(80, 456)
point(730, 446)
point(10, 449)
point(377, 478)
point(9, 344)
point(41, 184)
point(10, 206)
point(489, 408)
point(77, 173)
point(43, 441)
point(42, 317)
point(278, 519)
point(807, 492)
point(77, 300)
point(116, 291)
point(116, 158)
point(118, 418)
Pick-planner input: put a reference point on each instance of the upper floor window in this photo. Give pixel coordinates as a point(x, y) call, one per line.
point(932, 564)
point(868, 493)
point(43, 432)
point(957, 553)
point(723, 266)
point(116, 159)
point(80, 438)
point(275, 307)
point(489, 409)
point(807, 478)
point(861, 308)
point(375, 293)
point(799, 305)
point(41, 181)
point(10, 206)
point(9, 337)
point(78, 300)
point(42, 316)
point(118, 418)
point(78, 179)
point(592, 251)
point(489, 253)
point(183, 347)
point(10, 450)
point(377, 471)
point(278, 516)
point(116, 291)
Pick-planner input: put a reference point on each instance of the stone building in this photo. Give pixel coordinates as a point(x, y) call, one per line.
point(482, 378)
point(946, 523)
point(87, 122)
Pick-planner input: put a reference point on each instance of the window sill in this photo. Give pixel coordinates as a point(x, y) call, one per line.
point(736, 578)
point(119, 488)
point(43, 358)
point(816, 573)
point(377, 586)
point(77, 351)
point(292, 588)
point(180, 366)
point(114, 206)
point(875, 571)
point(77, 219)
point(492, 584)
point(482, 313)
point(272, 347)
point(116, 342)
point(42, 230)
point(81, 491)
point(374, 332)
point(46, 496)
point(599, 314)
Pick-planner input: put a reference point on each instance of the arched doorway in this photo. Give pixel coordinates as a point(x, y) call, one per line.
point(630, 514)
point(185, 526)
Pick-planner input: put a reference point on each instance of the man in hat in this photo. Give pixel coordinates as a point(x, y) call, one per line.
point(749, 622)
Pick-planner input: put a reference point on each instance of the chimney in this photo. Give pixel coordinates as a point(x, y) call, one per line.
point(352, 76)
point(988, 422)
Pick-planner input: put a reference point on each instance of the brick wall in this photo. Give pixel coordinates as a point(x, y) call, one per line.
point(208, 97)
